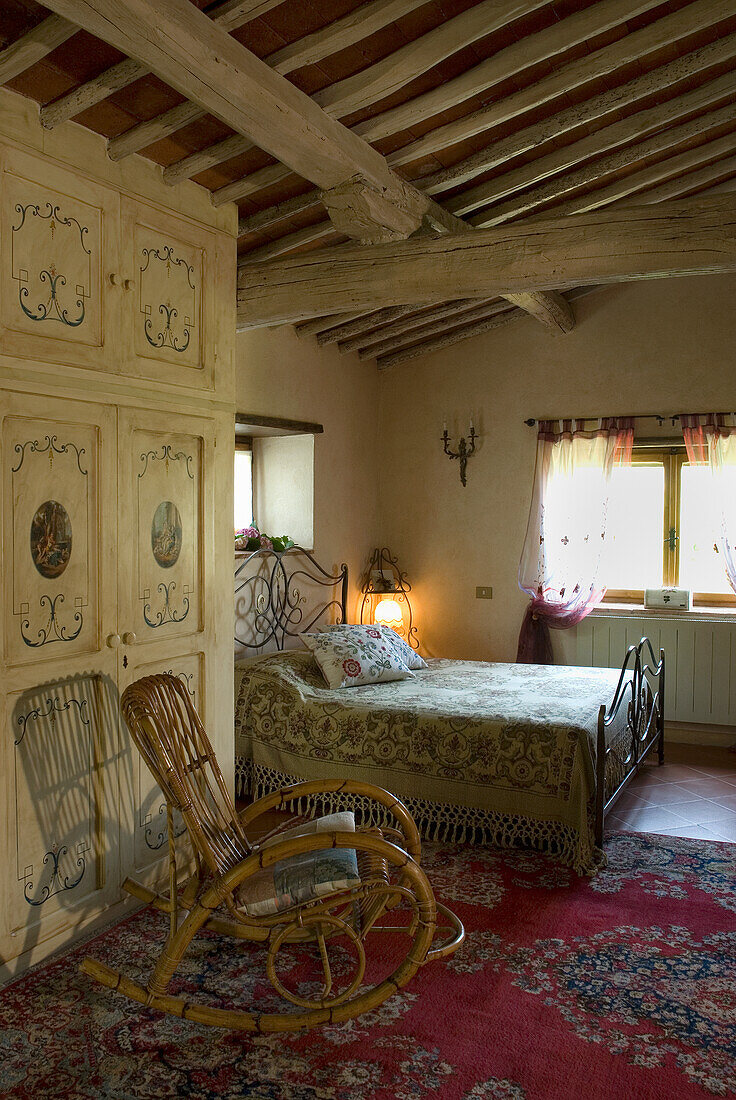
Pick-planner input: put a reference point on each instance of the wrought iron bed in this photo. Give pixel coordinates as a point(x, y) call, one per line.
point(281, 594)
point(640, 690)
point(278, 595)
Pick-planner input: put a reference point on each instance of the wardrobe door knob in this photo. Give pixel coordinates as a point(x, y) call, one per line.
point(129, 638)
point(112, 641)
point(128, 284)
point(114, 278)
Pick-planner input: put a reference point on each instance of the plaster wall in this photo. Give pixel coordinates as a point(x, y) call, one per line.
point(661, 346)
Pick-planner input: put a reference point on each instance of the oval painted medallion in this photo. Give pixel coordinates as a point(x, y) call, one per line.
point(166, 534)
point(51, 539)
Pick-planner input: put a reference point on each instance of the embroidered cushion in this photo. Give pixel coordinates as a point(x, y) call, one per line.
point(302, 878)
point(356, 655)
point(403, 650)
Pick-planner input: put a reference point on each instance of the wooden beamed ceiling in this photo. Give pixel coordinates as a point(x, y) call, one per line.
point(425, 118)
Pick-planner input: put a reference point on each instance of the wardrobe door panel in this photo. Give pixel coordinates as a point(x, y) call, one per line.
point(53, 537)
point(170, 308)
point(58, 261)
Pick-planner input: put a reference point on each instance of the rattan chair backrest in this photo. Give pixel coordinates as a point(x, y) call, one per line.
point(169, 734)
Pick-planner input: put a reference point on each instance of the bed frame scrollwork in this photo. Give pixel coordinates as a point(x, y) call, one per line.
point(278, 595)
point(640, 691)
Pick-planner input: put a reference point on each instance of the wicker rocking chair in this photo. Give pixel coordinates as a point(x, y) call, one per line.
point(388, 882)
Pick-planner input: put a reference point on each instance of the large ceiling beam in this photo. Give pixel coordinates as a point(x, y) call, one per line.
point(687, 238)
point(184, 48)
point(228, 14)
point(336, 36)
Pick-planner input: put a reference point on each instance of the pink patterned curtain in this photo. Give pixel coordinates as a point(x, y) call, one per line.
point(711, 440)
point(560, 567)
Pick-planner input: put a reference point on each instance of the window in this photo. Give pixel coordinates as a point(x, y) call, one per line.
point(663, 524)
point(243, 483)
point(274, 476)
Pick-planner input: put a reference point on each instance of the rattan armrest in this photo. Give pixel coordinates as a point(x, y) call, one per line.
point(279, 800)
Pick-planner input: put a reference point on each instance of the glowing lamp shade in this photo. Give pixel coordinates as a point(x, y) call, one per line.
point(388, 613)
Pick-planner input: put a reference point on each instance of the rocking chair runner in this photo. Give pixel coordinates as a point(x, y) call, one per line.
point(171, 738)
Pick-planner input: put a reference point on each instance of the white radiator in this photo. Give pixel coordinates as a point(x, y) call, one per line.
point(700, 660)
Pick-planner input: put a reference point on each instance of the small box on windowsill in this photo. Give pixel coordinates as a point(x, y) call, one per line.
point(674, 599)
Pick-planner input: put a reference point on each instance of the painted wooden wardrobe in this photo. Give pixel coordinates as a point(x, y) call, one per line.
point(117, 326)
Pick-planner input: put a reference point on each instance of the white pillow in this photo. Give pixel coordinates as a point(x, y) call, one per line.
point(356, 655)
point(403, 650)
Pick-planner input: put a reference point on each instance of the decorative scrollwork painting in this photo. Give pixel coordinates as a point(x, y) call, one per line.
point(168, 297)
point(49, 293)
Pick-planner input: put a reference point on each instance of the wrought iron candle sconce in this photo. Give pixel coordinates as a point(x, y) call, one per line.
point(465, 448)
point(384, 585)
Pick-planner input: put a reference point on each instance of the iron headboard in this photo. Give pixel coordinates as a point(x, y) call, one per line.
point(280, 594)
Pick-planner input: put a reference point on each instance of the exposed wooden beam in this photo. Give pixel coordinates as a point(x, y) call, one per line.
point(33, 46)
point(414, 58)
point(481, 312)
point(687, 238)
point(450, 336)
point(631, 129)
point(254, 223)
point(353, 27)
point(409, 319)
point(226, 14)
point(182, 46)
point(311, 328)
point(147, 133)
point(686, 182)
point(670, 169)
point(663, 141)
point(290, 242)
point(581, 114)
point(380, 79)
point(365, 20)
point(563, 80)
point(357, 324)
point(532, 137)
point(533, 49)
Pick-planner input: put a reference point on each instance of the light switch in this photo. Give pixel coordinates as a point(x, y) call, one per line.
point(484, 592)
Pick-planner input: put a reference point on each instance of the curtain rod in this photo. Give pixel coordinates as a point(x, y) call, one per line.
point(643, 416)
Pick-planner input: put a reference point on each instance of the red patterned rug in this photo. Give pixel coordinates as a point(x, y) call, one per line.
point(622, 986)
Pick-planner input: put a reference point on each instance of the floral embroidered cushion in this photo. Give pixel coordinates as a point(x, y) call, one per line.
point(302, 878)
point(356, 655)
point(403, 650)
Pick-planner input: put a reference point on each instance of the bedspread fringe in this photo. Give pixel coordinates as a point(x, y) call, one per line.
point(442, 822)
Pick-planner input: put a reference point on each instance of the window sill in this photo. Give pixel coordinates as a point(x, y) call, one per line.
point(638, 611)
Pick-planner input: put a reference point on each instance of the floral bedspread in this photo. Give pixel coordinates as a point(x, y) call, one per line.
point(507, 748)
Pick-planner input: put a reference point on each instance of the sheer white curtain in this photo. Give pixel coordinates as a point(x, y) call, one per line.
point(712, 439)
point(565, 545)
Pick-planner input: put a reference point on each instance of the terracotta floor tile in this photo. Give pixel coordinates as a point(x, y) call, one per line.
point(708, 786)
point(726, 832)
point(725, 800)
point(654, 818)
point(666, 793)
point(713, 814)
point(695, 832)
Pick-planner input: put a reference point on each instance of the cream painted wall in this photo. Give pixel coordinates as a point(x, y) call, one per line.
point(658, 346)
point(278, 374)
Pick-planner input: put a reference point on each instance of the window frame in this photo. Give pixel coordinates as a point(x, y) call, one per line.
point(672, 457)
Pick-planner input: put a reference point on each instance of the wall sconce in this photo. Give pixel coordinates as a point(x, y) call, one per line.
point(465, 448)
point(385, 596)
